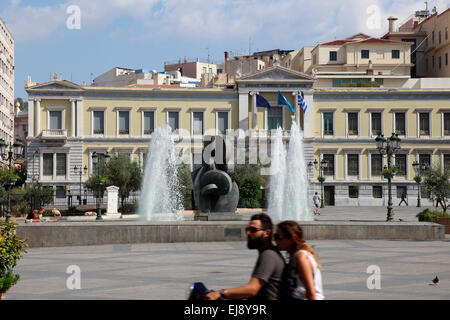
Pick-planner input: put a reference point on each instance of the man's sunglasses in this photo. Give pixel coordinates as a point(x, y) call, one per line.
point(252, 229)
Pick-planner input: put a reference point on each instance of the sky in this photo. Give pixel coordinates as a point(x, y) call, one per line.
point(81, 39)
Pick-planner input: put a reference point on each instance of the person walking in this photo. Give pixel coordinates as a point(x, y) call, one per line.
point(403, 199)
point(316, 200)
point(268, 271)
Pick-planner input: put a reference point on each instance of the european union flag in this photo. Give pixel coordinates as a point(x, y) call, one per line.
point(301, 103)
point(262, 102)
point(283, 101)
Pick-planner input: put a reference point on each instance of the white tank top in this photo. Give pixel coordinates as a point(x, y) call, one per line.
point(300, 292)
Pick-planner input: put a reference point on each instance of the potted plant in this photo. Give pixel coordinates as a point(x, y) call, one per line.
point(389, 173)
point(11, 249)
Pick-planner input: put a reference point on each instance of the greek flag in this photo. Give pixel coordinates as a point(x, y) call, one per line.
point(301, 103)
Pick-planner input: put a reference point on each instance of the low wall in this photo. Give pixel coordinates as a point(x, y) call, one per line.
point(100, 233)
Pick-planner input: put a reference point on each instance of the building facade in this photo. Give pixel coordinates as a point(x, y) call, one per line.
point(6, 84)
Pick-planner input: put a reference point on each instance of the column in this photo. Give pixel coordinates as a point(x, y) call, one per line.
point(243, 111)
point(79, 118)
point(37, 118)
point(54, 166)
point(254, 114)
point(72, 118)
point(296, 108)
point(308, 119)
point(30, 118)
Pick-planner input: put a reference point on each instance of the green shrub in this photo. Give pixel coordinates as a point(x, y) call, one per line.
point(431, 216)
point(129, 208)
point(250, 192)
point(11, 249)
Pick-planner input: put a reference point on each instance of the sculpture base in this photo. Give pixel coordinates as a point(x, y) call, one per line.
point(217, 216)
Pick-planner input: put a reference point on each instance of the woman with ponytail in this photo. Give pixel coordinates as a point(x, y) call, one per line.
point(304, 279)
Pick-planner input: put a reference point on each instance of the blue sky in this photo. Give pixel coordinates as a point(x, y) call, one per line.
point(145, 33)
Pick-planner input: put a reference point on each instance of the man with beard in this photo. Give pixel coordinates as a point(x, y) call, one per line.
point(266, 276)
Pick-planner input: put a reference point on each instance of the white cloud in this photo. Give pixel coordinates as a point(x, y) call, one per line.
point(285, 22)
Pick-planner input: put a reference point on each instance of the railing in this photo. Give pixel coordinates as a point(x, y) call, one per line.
point(55, 133)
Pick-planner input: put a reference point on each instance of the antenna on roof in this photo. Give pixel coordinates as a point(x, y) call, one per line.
point(208, 52)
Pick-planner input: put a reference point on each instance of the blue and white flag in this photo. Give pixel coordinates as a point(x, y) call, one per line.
point(301, 102)
point(282, 101)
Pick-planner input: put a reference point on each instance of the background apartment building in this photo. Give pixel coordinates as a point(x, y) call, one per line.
point(6, 84)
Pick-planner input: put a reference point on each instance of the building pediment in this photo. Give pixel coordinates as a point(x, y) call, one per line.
point(277, 74)
point(56, 86)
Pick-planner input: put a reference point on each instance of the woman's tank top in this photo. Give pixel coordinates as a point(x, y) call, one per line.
point(300, 292)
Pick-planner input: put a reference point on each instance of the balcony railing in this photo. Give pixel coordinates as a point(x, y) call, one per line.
point(54, 134)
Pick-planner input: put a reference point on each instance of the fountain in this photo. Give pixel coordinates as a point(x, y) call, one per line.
point(161, 198)
point(289, 186)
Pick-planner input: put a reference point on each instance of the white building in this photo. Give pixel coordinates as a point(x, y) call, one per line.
point(6, 84)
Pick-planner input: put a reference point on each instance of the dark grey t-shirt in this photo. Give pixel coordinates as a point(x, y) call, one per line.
point(269, 267)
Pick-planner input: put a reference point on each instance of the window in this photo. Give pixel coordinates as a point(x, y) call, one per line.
point(98, 122)
point(447, 124)
point(333, 55)
point(60, 192)
point(55, 119)
point(400, 164)
point(210, 70)
point(328, 123)
point(353, 192)
point(329, 170)
point(446, 33)
point(364, 54)
point(395, 54)
point(197, 123)
point(174, 120)
point(377, 192)
point(314, 59)
point(124, 122)
point(424, 123)
point(440, 37)
point(352, 123)
point(47, 164)
point(376, 123)
point(425, 158)
point(149, 122)
point(446, 162)
point(275, 118)
point(203, 70)
point(432, 62)
point(400, 125)
point(432, 37)
point(353, 164)
point(376, 162)
point(440, 62)
point(61, 164)
point(446, 59)
point(222, 122)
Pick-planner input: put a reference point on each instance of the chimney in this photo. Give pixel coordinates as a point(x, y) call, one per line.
point(392, 24)
point(227, 56)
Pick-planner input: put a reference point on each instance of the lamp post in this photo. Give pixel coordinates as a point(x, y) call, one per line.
point(323, 164)
point(419, 168)
point(79, 172)
point(96, 160)
point(14, 151)
point(388, 147)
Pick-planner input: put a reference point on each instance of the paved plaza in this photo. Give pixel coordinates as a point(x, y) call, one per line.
point(163, 271)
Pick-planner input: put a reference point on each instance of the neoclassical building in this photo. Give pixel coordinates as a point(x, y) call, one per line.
point(68, 122)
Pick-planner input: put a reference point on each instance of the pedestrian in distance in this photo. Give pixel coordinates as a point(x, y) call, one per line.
point(302, 278)
point(268, 271)
point(316, 200)
point(403, 200)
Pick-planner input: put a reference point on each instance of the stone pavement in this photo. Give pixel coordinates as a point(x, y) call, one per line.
point(163, 271)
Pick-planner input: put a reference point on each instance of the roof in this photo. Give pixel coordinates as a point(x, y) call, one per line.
point(358, 38)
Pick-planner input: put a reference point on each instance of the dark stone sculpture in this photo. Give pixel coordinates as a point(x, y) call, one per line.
point(214, 191)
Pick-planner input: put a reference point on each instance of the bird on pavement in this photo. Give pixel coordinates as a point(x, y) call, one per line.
point(435, 281)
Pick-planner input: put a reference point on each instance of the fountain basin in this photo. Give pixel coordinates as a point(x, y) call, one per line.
point(127, 232)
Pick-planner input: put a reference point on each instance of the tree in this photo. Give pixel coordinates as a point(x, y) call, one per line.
point(124, 173)
point(243, 171)
point(438, 184)
point(186, 184)
point(250, 192)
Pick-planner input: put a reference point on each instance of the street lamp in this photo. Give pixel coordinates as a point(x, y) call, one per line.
point(96, 160)
point(388, 147)
point(80, 172)
point(321, 178)
point(14, 151)
point(419, 168)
